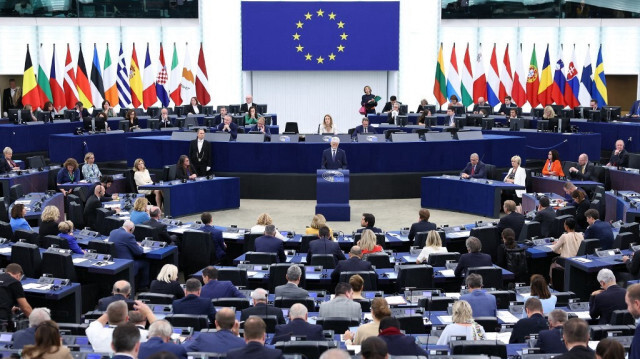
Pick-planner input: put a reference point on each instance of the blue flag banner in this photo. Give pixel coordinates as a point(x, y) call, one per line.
point(320, 36)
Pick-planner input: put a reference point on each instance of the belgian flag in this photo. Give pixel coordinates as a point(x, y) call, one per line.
point(30, 95)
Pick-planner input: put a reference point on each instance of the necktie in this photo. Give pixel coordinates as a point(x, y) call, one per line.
point(333, 155)
point(365, 130)
point(583, 168)
point(473, 170)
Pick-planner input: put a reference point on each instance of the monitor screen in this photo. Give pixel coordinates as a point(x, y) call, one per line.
point(581, 111)
point(459, 110)
point(488, 109)
point(516, 124)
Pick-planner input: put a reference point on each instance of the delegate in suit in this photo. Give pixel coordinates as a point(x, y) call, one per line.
point(225, 337)
point(291, 289)
point(298, 326)
point(254, 336)
point(584, 171)
point(353, 264)
point(324, 245)
point(550, 340)
point(364, 128)
point(229, 127)
point(214, 288)
point(423, 224)
point(126, 247)
point(200, 154)
point(192, 303)
point(341, 306)
point(334, 158)
point(475, 168)
point(270, 244)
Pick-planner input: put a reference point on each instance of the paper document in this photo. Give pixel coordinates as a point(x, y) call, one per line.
point(495, 336)
point(5, 250)
point(452, 295)
point(582, 260)
point(355, 348)
point(447, 272)
point(79, 260)
point(507, 317)
point(37, 286)
point(229, 235)
point(395, 300)
point(582, 315)
point(445, 319)
point(251, 273)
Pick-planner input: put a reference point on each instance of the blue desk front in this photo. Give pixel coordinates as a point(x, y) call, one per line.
point(554, 185)
point(580, 273)
point(158, 151)
point(611, 132)
point(41, 200)
point(33, 138)
point(119, 185)
point(620, 208)
point(623, 180)
point(64, 302)
point(31, 181)
point(480, 197)
point(199, 196)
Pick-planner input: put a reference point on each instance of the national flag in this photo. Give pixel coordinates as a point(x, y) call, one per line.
point(202, 82)
point(506, 79)
point(493, 81)
point(135, 80)
point(453, 79)
point(82, 82)
point(466, 90)
point(122, 81)
point(586, 82)
point(161, 81)
point(533, 80)
point(149, 92)
point(559, 84)
point(56, 82)
point(97, 87)
point(30, 92)
point(480, 80)
point(573, 84)
point(188, 81)
point(44, 89)
point(517, 93)
point(440, 84)
point(174, 85)
point(110, 87)
point(546, 81)
point(599, 87)
point(70, 90)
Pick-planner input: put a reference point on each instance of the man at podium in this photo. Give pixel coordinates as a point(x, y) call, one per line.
point(334, 158)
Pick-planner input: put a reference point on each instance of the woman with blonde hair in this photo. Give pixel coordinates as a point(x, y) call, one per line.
point(368, 242)
point(49, 221)
point(516, 175)
point(548, 113)
point(317, 222)
point(463, 324)
point(327, 126)
point(264, 219)
point(48, 343)
point(90, 170)
point(140, 212)
point(167, 282)
point(141, 177)
point(433, 244)
point(379, 310)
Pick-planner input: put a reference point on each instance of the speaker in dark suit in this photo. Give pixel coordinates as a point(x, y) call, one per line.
point(334, 158)
point(474, 169)
point(200, 154)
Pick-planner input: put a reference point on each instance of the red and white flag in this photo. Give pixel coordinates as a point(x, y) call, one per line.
point(202, 82)
point(70, 90)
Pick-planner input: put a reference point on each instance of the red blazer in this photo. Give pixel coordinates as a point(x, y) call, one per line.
point(555, 167)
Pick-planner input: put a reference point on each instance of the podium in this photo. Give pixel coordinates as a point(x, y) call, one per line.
point(332, 195)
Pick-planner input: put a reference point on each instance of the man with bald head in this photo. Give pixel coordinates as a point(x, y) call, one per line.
point(126, 247)
point(584, 170)
point(91, 206)
point(474, 169)
point(481, 102)
point(297, 326)
point(225, 337)
point(228, 126)
point(165, 121)
point(353, 264)
point(619, 156)
point(121, 291)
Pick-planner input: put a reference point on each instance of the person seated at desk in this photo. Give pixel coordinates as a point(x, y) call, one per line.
point(167, 282)
point(90, 170)
point(66, 232)
point(575, 333)
point(533, 323)
point(255, 337)
point(121, 290)
point(620, 156)
point(513, 219)
point(450, 119)
point(298, 326)
point(594, 105)
point(476, 106)
point(548, 114)
point(126, 247)
point(506, 105)
point(200, 152)
point(248, 104)
point(48, 343)
point(462, 324)
point(379, 311)
point(94, 202)
point(357, 284)
point(603, 302)
point(398, 343)
point(324, 245)
point(368, 242)
point(423, 224)
point(422, 107)
point(341, 306)
point(582, 204)
point(453, 101)
point(353, 264)
point(389, 105)
point(334, 158)
point(550, 340)
point(598, 229)
point(141, 177)
point(159, 340)
point(6, 163)
point(132, 120)
point(392, 115)
point(260, 307)
point(107, 109)
point(105, 181)
point(163, 234)
point(327, 126)
point(69, 173)
point(291, 289)
point(433, 244)
point(192, 303)
point(540, 290)
point(251, 118)
point(101, 331)
point(635, 109)
point(140, 212)
point(82, 112)
point(164, 120)
point(553, 167)
point(48, 107)
point(184, 169)
point(364, 128)
point(472, 259)
point(475, 168)
point(12, 293)
point(17, 220)
point(318, 222)
point(214, 288)
point(269, 243)
point(508, 255)
point(194, 107)
point(32, 117)
point(545, 216)
point(513, 114)
point(263, 220)
point(49, 221)
point(225, 338)
point(567, 245)
point(584, 171)
point(220, 247)
point(101, 122)
point(28, 336)
point(368, 221)
point(516, 175)
point(228, 126)
point(569, 188)
point(220, 116)
point(261, 127)
point(482, 303)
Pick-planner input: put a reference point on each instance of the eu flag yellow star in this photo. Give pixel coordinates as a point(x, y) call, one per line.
point(341, 48)
point(296, 36)
point(299, 47)
point(341, 25)
point(332, 57)
point(343, 36)
point(320, 12)
point(307, 16)
point(299, 25)
point(332, 16)
point(308, 57)
point(320, 60)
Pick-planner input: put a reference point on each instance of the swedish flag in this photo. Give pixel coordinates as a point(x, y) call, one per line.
point(599, 86)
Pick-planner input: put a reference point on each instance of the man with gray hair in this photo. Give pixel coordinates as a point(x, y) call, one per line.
point(260, 307)
point(270, 244)
point(334, 158)
point(192, 303)
point(160, 340)
point(550, 340)
point(335, 353)
point(604, 301)
point(298, 326)
point(482, 303)
point(126, 247)
point(472, 259)
point(100, 331)
point(228, 126)
point(28, 336)
point(291, 289)
point(475, 168)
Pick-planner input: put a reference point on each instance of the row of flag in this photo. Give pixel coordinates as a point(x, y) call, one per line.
point(561, 86)
point(117, 83)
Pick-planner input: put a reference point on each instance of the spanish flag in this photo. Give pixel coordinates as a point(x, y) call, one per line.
point(440, 83)
point(546, 80)
point(135, 80)
point(82, 82)
point(30, 95)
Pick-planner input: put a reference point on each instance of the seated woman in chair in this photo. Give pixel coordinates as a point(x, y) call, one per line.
point(17, 218)
point(66, 232)
point(141, 177)
point(69, 173)
point(433, 244)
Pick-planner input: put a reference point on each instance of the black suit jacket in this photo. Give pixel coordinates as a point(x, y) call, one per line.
point(254, 350)
point(603, 304)
point(189, 109)
point(103, 303)
point(330, 164)
point(620, 160)
point(360, 130)
point(233, 129)
point(353, 264)
point(6, 100)
point(504, 108)
point(480, 171)
point(546, 218)
point(470, 260)
point(422, 226)
point(192, 304)
point(297, 326)
point(578, 352)
point(91, 211)
point(202, 159)
point(245, 108)
point(271, 244)
point(587, 176)
point(512, 220)
point(633, 264)
point(550, 341)
point(373, 229)
point(526, 326)
point(163, 235)
point(259, 309)
point(4, 165)
point(325, 246)
point(182, 174)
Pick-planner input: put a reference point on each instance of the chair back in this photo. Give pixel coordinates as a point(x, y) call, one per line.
point(48, 241)
point(197, 322)
point(284, 302)
point(76, 215)
point(420, 239)
point(412, 324)
point(143, 231)
point(277, 275)
point(337, 324)
point(28, 256)
point(588, 246)
point(327, 261)
point(621, 317)
point(490, 324)
point(4, 214)
point(625, 228)
point(101, 214)
point(370, 279)
point(492, 276)
point(28, 235)
point(530, 229)
point(270, 320)
point(563, 298)
point(16, 191)
point(440, 259)
point(490, 348)
point(435, 304)
point(304, 242)
point(237, 276)
point(156, 298)
point(623, 240)
point(197, 251)
point(261, 258)
point(102, 247)
point(503, 297)
point(379, 260)
point(35, 162)
point(250, 241)
point(489, 238)
point(291, 127)
point(557, 228)
point(6, 231)
point(306, 349)
point(415, 275)
point(365, 304)
point(237, 303)
point(59, 265)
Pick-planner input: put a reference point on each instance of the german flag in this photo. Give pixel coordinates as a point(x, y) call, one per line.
point(82, 82)
point(30, 94)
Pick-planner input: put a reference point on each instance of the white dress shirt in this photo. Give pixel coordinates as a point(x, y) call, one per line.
point(100, 337)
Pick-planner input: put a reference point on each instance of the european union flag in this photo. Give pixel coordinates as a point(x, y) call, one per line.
point(320, 36)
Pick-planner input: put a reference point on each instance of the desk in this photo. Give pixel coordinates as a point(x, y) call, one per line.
point(33, 138)
point(554, 185)
point(31, 181)
point(619, 208)
point(530, 200)
point(610, 132)
point(477, 196)
point(623, 180)
point(198, 196)
point(40, 200)
point(64, 302)
point(580, 273)
point(119, 185)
